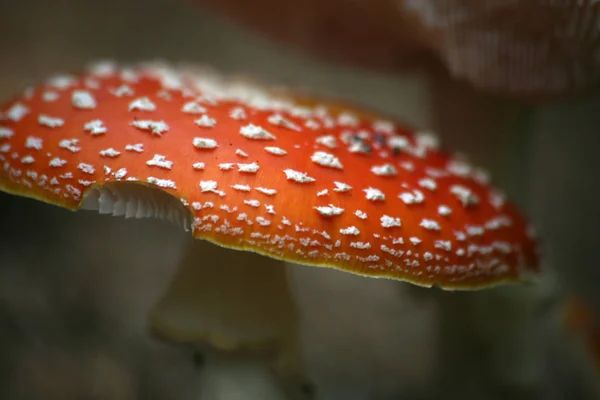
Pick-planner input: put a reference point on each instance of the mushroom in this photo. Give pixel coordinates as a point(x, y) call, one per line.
point(529, 49)
point(293, 178)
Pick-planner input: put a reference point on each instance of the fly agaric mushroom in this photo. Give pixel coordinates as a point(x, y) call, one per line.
point(300, 181)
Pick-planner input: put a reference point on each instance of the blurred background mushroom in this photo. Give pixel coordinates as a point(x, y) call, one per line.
point(537, 152)
point(527, 48)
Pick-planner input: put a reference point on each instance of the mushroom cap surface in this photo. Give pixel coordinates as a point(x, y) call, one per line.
point(302, 181)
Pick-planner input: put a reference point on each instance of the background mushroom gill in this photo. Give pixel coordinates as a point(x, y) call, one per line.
point(43, 37)
point(529, 48)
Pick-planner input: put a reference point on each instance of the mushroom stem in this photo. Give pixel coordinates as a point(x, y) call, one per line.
point(233, 303)
point(230, 377)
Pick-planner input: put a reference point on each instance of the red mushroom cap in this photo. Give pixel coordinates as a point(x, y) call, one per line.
point(302, 183)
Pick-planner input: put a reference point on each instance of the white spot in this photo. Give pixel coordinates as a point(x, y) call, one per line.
point(155, 127)
point(352, 230)
point(57, 162)
point(279, 120)
point(322, 193)
point(360, 245)
point(226, 208)
point(444, 210)
point(497, 199)
point(427, 140)
point(225, 166)
point(329, 211)
point(33, 175)
point(459, 167)
point(204, 143)
point(86, 168)
point(474, 230)
point(50, 96)
point(197, 205)
point(237, 113)
point(464, 195)
point(160, 161)
point(341, 187)
point(138, 147)
point(251, 131)
point(384, 126)
point(206, 122)
point(86, 183)
point(17, 112)
point(120, 174)
point(360, 214)
point(61, 81)
point(142, 104)
point(5, 148)
point(268, 192)
point(199, 165)
point(428, 183)
point(389, 222)
point(262, 221)
point(398, 143)
point(73, 190)
point(122, 91)
point(430, 224)
point(6, 133)
point(241, 153)
point(299, 177)
point(95, 127)
point(374, 194)
point(312, 124)
point(51, 122)
point(326, 160)
point(270, 209)
point(415, 240)
point(83, 99)
point(163, 183)
point(241, 188)
point(192, 107)
point(208, 186)
point(244, 217)
point(276, 150)
point(27, 160)
point(327, 141)
point(443, 244)
point(460, 236)
point(251, 168)
point(110, 152)
point(499, 222)
point(384, 170)
point(414, 197)
point(164, 94)
point(32, 142)
point(407, 165)
point(252, 203)
point(347, 119)
point(70, 144)
point(103, 68)
point(359, 147)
